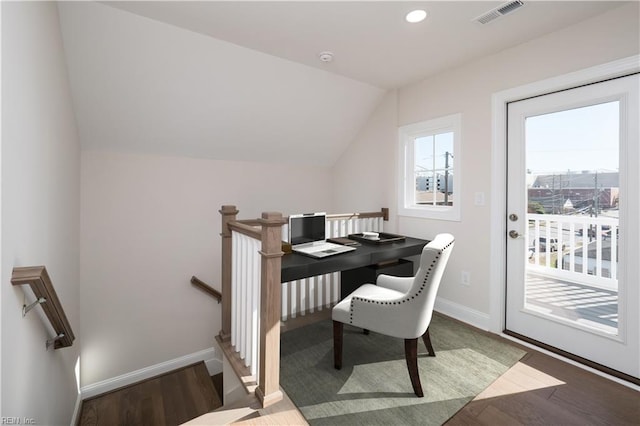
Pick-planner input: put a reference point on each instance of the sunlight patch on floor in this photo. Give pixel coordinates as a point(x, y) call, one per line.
point(358, 405)
point(519, 378)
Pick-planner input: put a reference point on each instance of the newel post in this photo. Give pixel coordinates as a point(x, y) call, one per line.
point(268, 391)
point(229, 214)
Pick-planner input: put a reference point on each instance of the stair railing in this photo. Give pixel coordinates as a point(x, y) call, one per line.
point(252, 292)
point(206, 288)
point(38, 279)
point(251, 262)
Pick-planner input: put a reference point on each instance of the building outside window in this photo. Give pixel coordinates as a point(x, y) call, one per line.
point(429, 169)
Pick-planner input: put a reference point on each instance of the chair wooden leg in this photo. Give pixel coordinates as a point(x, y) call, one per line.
point(337, 344)
point(411, 355)
point(427, 342)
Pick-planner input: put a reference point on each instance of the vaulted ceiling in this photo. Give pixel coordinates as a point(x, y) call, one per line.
point(243, 81)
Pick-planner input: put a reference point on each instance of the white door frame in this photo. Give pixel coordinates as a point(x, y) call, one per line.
point(499, 100)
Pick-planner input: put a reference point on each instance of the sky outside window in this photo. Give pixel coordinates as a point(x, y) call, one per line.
point(581, 139)
point(426, 157)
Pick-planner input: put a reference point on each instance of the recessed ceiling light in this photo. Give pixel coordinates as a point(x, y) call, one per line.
point(416, 16)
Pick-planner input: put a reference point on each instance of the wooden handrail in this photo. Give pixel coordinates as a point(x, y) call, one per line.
point(245, 229)
point(38, 279)
point(383, 213)
point(250, 222)
point(206, 288)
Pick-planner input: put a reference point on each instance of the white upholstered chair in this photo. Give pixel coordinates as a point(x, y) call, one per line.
point(397, 306)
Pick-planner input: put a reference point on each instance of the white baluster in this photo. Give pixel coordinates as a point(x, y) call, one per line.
point(572, 244)
point(311, 297)
point(614, 252)
point(304, 305)
point(585, 250)
point(235, 286)
point(328, 284)
point(335, 279)
point(548, 244)
point(249, 302)
point(242, 326)
point(537, 243)
point(559, 250)
point(294, 297)
point(284, 303)
point(304, 295)
point(256, 306)
point(320, 292)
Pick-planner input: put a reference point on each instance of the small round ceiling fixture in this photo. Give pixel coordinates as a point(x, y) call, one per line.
point(326, 56)
point(415, 16)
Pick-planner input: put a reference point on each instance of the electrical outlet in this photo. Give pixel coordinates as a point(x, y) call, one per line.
point(466, 278)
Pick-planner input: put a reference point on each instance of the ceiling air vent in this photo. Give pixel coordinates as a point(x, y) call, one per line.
point(496, 13)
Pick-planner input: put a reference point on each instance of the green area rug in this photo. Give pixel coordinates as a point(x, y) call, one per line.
point(373, 387)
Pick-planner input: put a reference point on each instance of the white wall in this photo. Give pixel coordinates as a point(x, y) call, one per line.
point(148, 224)
point(40, 211)
point(468, 90)
point(363, 176)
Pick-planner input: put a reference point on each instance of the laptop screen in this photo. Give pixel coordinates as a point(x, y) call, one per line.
point(306, 228)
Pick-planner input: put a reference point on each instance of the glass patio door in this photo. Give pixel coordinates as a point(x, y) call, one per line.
point(573, 224)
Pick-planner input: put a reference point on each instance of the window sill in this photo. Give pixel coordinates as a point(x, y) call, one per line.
point(449, 214)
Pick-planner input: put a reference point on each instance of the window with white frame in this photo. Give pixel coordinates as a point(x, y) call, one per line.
point(429, 154)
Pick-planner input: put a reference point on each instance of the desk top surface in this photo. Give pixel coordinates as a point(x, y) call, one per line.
point(296, 266)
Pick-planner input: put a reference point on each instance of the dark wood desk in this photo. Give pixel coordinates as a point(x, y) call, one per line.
point(296, 266)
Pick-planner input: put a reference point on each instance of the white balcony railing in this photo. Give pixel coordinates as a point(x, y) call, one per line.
point(574, 248)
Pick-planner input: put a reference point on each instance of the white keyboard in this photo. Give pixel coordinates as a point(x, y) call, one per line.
point(322, 247)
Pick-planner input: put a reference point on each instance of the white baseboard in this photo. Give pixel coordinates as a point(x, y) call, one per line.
point(76, 410)
point(214, 366)
point(209, 356)
point(462, 313)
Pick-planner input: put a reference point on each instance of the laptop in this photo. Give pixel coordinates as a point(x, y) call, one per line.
point(307, 236)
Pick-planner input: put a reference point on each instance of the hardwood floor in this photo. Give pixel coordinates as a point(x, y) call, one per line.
point(538, 390)
point(169, 399)
point(542, 390)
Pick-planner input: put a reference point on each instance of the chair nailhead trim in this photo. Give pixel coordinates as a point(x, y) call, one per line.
point(424, 283)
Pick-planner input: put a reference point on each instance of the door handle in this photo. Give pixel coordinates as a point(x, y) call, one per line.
point(514, 234)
